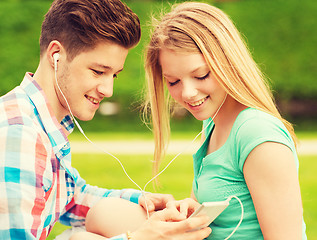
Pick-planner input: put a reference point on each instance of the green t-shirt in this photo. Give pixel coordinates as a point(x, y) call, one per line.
point(219, 175)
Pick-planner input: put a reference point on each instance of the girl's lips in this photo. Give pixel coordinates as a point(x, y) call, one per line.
point(197, 103)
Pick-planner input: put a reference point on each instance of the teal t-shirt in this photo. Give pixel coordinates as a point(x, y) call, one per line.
point(219, 175)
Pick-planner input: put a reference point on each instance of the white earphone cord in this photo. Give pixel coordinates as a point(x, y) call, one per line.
point(102, 150)
point(241, 218)
point(123, 168)
point(187, 146)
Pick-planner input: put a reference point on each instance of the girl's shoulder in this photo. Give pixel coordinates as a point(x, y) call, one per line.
point(253, 127)
point(254, 121)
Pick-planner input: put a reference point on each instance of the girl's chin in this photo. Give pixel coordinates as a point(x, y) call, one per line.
point(200, 117)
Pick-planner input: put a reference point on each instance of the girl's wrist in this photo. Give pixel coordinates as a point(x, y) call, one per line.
point(129, 236)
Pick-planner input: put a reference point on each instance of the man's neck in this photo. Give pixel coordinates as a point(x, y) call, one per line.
point(45, 77)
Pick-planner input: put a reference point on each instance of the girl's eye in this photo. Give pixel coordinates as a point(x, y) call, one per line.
point(203, 77)
point(173, 83)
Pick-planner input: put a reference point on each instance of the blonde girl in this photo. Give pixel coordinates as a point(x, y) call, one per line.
point(248, 150)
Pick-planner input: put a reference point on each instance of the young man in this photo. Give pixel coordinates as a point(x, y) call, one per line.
point(84, 44)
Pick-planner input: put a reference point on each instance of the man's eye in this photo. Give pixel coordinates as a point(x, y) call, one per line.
point(97, 72)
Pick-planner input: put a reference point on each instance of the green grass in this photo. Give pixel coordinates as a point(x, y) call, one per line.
point(307, 135)
point(308, 182)
point(104, 171)
point(147, 135)
point(109, 136)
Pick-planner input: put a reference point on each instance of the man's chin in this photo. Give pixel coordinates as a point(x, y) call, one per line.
point(85, 118)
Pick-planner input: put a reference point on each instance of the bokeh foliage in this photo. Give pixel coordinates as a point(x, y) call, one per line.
point(281, 35)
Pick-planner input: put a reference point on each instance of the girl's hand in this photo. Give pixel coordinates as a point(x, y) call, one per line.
point(169, 224)
point(186, 207)
point(155, 201)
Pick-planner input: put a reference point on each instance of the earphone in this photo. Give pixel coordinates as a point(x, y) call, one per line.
point(55, 58)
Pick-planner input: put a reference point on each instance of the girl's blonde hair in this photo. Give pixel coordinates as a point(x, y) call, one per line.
point(198, 27)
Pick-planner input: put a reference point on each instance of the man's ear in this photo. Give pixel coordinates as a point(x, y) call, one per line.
point(53, 48)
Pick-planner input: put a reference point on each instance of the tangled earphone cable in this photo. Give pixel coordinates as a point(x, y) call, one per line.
point(56, 58)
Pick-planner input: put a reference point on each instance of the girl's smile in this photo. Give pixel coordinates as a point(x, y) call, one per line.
point(190, 82)
point(198, 103)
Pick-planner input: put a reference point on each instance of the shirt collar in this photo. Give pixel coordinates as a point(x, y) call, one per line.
point(57, 132)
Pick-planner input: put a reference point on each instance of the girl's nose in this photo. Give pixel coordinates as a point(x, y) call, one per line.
point(189, 90)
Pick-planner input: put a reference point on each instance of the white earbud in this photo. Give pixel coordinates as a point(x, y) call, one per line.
point(56, 58)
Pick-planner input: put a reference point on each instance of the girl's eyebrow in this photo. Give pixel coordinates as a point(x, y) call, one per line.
point(200, 68)
point(192, 72)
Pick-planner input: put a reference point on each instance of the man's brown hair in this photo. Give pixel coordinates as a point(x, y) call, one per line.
point(80, 24)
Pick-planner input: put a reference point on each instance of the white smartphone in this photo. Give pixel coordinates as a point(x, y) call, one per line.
point(211, 209)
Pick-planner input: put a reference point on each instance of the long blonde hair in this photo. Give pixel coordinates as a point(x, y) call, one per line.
point(199, 27)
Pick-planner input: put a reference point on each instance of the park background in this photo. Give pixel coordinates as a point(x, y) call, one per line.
point(282, 37)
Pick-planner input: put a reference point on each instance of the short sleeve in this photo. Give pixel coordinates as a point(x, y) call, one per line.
point(257, 130)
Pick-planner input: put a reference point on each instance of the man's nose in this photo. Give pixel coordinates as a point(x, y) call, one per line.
point(105, 88)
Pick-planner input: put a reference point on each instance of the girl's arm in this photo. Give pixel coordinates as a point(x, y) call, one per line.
point(111, 218)
point(272, 179)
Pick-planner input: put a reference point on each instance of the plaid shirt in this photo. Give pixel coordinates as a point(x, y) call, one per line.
point(38, 185)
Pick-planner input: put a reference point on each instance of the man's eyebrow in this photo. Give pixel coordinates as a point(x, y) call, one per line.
point(106, 67)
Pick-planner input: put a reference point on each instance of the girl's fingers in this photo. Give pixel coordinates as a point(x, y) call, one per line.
point(183, 208)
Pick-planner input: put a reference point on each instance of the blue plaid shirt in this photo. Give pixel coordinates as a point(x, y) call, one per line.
point(38, 185)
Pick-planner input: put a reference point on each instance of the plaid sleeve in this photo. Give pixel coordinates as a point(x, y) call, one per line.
point(22, 198)
point(86, 196)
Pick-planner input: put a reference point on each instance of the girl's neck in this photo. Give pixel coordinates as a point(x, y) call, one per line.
point(224, 122)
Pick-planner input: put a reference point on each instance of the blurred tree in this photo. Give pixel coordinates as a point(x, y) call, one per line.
point(281, 35)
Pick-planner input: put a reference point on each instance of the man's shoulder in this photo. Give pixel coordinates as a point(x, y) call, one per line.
point(16, 108)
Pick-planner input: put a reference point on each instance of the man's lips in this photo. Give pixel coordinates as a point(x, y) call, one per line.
point(93, 100)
